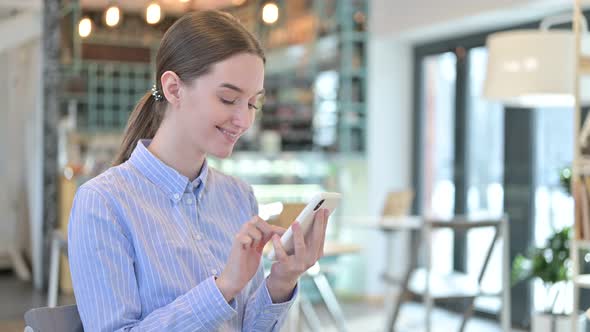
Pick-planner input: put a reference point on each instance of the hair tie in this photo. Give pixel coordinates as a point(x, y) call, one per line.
point(157, 94)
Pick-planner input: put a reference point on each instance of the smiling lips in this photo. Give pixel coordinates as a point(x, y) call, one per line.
point(232, 136)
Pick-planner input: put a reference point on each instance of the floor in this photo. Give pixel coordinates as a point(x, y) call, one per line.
point(371, 318)
point(17, 297)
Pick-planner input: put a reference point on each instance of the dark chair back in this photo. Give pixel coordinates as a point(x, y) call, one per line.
point(58, 319)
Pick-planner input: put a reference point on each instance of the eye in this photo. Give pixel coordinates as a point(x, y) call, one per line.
point(252, 106)
point(228, 102)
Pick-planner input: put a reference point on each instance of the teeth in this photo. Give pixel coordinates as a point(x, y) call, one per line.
point(228, 133)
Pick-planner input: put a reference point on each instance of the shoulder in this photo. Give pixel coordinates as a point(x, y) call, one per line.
point(107, 185)
point(233, 187)
point(105, 181)
point(228, 182)
point(97, 202)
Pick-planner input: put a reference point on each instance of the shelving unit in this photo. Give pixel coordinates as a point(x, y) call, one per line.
point(581, 164)
point(336, 47)
point(352, 123)
point(105, 93)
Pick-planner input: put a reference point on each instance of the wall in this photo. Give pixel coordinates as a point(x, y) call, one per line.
point(427, 19)
point(21, 136)
point(19, 94)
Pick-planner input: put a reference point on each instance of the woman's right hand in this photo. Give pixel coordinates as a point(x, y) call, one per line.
point(244, 258)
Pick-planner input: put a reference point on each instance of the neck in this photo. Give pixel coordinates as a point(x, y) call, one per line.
point(171, 149)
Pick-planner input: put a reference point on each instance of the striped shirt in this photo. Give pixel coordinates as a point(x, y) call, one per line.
point(145, 243)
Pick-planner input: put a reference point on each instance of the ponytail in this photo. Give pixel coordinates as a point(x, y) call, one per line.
point(143, 122)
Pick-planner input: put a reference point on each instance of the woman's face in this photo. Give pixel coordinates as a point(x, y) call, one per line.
point(218, 107)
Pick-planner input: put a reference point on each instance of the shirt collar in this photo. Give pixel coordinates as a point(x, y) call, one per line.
point(164, 176)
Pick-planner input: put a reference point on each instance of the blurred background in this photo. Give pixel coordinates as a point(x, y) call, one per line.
point(381, 100)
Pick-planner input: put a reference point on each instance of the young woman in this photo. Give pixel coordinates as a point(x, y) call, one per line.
point(162, 242)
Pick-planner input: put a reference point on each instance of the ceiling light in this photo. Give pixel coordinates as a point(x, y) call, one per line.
point(270, 13)
point(529, 68)
point(535, 67)
point(153, 13)
point(85, 27)
point(112, 16)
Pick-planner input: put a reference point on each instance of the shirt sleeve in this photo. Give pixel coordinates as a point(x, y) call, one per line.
point(261, 314)
point(102, 266)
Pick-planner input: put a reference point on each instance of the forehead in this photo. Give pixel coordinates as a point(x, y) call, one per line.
point(245, 71)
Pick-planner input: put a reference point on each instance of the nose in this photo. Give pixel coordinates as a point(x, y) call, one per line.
point(243, 117)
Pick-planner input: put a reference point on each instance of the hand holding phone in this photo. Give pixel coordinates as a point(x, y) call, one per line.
point(325, 200)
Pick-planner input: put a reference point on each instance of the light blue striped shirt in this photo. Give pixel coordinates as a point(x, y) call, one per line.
point(145, 244)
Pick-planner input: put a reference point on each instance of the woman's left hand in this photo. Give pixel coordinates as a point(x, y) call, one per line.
point(288, 268)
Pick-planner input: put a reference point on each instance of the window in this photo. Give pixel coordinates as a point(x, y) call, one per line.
point(554, 207)
point(438, 155)
point(485, 168)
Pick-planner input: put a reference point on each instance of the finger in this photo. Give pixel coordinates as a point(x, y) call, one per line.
point(319, 233)
point(256, 236)
point(323, 231)
point(244, 240)
point(261, 224)
point(267, 237)
point(278, 230)
point(266, 229)
point(299, 241)
point(280, 253)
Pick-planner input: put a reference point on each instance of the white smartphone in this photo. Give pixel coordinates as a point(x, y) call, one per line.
point(325, 200)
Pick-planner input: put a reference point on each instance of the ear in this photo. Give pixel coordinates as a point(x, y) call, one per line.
point(171, 85)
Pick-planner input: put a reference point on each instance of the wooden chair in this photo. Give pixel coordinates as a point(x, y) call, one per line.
point(398, 203)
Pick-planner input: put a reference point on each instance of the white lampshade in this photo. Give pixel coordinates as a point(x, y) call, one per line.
point(533, 68)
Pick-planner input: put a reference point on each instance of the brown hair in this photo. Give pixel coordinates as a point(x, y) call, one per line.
point(189, 48)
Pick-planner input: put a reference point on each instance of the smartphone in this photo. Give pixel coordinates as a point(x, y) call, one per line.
point(325, 200)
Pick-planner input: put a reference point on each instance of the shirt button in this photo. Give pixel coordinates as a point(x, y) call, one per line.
point(188, 201)
point(214, 271)
point(176, 196)
point(198, 237)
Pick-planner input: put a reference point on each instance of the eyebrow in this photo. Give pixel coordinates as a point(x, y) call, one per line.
point(235, 88)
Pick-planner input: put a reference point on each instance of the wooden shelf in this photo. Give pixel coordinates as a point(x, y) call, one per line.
point(585, 65)
point(584, 165)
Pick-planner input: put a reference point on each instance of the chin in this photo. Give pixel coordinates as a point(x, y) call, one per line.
point(222, 153)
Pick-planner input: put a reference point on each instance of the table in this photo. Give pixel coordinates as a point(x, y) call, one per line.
point(453, 286)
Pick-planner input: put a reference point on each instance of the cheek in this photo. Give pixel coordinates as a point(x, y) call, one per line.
point(198, 112)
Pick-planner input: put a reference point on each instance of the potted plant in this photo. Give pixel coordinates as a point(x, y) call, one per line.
point(548, 263)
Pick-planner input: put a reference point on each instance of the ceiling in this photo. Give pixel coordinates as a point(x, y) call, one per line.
point(10, 8)
point(167, 5)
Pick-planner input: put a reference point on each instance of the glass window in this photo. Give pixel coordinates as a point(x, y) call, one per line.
point(438, 151)
point(554, 207)
point(485, 162)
